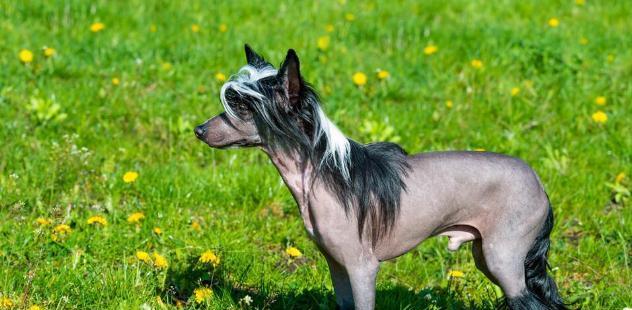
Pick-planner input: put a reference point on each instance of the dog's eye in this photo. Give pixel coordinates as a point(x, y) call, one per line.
point(242, 108)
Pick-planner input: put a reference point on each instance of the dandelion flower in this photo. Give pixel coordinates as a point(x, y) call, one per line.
point(62, 229)
point(220, 77)
point(196, 226)
point(619, 177)
point(449, 104)
point(583, 41)
point(202, 294)
point(153, 28)
point(143, 257)
point(6, 303)
point(116, 81)
point(35, 307)
point(601, 100)
point(580, 2)
point(329, 28)
point(26, 56)
point(430, 49)
point(130, 176)
point(477, 64)
point(610, 58)
point(135, 217)
point(166, 66)
point(359, 78)
point(349, 17)
point(383, 74)
point(49, 52)
point(515, 91)
point(323, 43)
point(479, 149)
point(209, 257)
point(97, 219)
point(455, 274)
point(293, 252)
point(96, 27)
point(160, 261)
point(195, 28)
point(600, 117)
point(157, 230)
point(223, 28)
point(554, 22)
point(42, 221)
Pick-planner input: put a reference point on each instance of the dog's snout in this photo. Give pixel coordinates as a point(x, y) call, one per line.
point(199, 131)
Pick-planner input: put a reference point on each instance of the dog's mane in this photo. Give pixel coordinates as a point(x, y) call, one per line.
point(366, 179)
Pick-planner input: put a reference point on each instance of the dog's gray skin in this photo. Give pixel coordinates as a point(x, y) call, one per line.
point(494, 200)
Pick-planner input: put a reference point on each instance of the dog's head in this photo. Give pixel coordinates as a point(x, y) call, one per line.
point(262, 104)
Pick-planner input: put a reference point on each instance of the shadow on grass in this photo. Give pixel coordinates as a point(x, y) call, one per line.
point(227, 288)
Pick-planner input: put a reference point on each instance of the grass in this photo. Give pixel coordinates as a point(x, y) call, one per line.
point(68, 134)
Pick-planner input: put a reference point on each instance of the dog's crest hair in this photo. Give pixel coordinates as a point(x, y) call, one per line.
point(366, 179)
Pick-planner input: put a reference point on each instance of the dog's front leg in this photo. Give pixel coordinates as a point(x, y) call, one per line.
point(362, 275)
point(342, 285)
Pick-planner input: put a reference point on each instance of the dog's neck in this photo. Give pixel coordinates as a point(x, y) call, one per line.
point(296, 173)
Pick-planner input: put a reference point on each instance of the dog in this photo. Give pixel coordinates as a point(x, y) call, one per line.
point(364, 204)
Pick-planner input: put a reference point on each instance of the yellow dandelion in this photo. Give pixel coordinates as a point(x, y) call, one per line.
point(359, 78)
point(116, 81)
point(601, 100)
point(323, 43)
point(220, 77)
point(349, 17)
point(223, 28)
point(196, 226)
point(62, 229)
point(583, 41)
point(293, 252)
point(449, 104)
point(96, 27)
point(49, 52)
point(160, 261)
point(515, 91)
point(554, 22)
point(600, 117)
point(130, 176)
point(580, 2)
point(97, 219)
point(153, 28)
point(135, 217)
point(195, 28)
point(455, 274)
point(6, 303)
point(202, 294)
point(477, 64)
point(610, 58)
point(209, 257)
point(430, 49)
point(35, 307)
point(26, 56)
point(620, 177)
point(157, 230)
point(166, 66)
point(383, 74)
point(329, 28)
point(478, 149)
point(143, 257)
point(42, 221)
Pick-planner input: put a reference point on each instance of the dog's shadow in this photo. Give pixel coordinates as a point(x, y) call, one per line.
point(180, 284)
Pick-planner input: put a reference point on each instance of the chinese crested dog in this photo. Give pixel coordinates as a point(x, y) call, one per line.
point(366, 203)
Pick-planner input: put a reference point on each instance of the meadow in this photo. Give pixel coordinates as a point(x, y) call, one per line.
point(108, 201)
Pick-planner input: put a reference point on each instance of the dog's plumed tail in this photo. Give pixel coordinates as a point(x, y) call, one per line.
point(541, 291)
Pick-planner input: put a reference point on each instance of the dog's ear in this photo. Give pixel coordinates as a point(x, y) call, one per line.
point(290, 77)
point(253, 58)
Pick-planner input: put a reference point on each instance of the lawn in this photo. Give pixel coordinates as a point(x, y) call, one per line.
point(108, 200)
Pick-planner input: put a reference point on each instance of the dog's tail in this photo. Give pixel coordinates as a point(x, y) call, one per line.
point(541, 289)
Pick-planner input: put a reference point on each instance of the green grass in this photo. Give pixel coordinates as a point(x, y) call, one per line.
point(69, 168)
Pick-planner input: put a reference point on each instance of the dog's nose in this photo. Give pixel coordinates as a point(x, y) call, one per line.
point(199, 131)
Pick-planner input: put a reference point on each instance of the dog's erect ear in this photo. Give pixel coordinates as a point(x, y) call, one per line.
point(253, 58)
point(290, 76)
